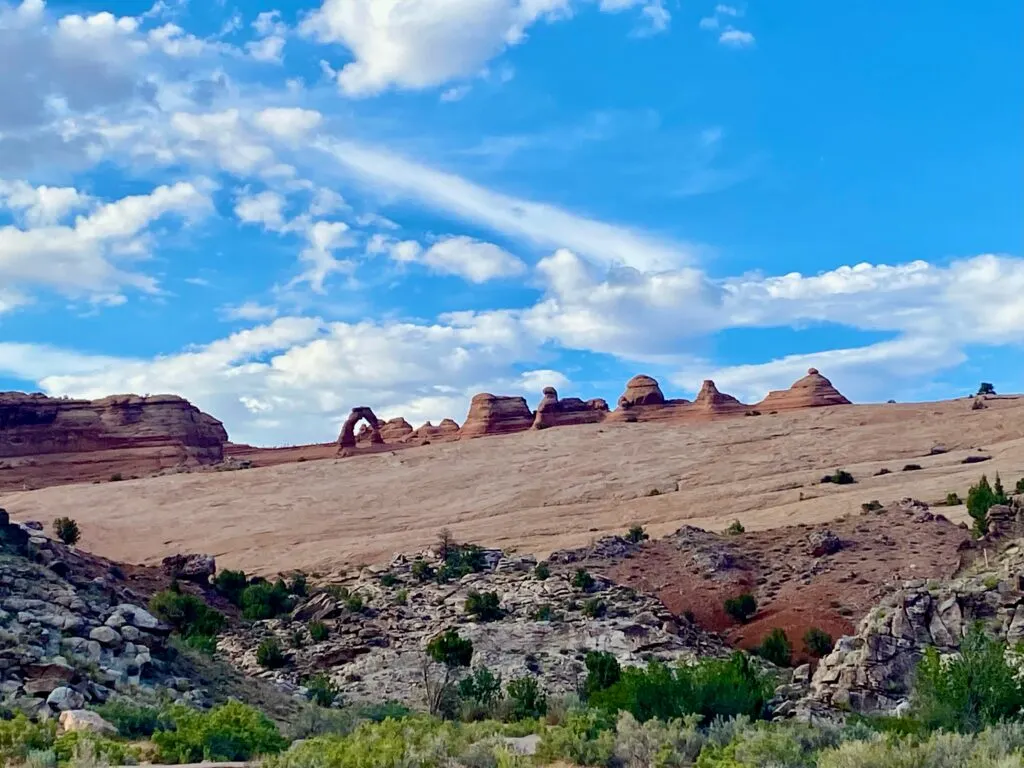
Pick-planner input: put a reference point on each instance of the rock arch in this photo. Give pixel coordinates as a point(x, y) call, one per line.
point(347, 439)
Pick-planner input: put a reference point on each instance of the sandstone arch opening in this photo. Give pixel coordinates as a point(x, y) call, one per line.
point(347, 439)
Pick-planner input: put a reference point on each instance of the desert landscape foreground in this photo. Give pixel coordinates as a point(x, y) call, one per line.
point(540, 491)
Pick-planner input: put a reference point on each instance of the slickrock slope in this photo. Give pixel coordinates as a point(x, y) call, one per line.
point(47, 441)
point(548, 489)
point(496, 415)
point(812, 391)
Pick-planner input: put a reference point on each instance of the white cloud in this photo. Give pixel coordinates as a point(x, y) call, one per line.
point(325, 237)
point(457, 93)
point(287, 122)
point(736, 38)
point(250, 311)
point(40, 206)
point(415, 44)
point(265, 208)
point(269, 49)
point(543, 225)
point(471, 259)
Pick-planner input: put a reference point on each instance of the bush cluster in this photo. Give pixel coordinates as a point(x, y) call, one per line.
point(67, 530)
point(981, 498)
point(839, 477)
point(190, 616)
point(483, 606)
point(741, 608)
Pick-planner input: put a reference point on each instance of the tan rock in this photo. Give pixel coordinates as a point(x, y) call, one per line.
point(496, 415)
point(552, 412)
point(85, 720)
point(641, 390)
point(709, 399)
point(812, 391)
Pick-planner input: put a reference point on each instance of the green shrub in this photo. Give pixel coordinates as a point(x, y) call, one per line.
point(388, 579)
point(388, 710)
point(582, 580)
point(401, 597)
point(483, 606)
point(982, 497)
point(19, 736)
point(482, 689)
point(526, 699)
point(450, 649)
point(603, 671)
point(584, 738)
point(231, 584)
point(318, 631)
point(354, 602)
point(839, 477)
point(976, 689)
point(299, 585)
point(594, 608)
point(67, 530)
point(953, 499)
point(636, 534)
point(187, 614)
point(776, 648)
point(710, 688)
point(322, 690)
point(735, 528)
point(818, 642)
point(543, 570)
point(269, 654)
point(90, 749)
point(422, 571)
point(741, 608)
point(543, 612)
point(265, 601)
point(133, 721)
point(231, 731)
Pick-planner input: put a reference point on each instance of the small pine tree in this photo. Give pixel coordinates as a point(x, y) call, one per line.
point(67, 530)
point(986, 388)
point(776, 648)
point(980, 498)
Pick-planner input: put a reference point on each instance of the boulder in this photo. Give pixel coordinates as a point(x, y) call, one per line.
point(85, 720)
point(821, 543)
point(641, 390)
point(51, 441)
point(65, 698)
point(496, 415)
point(812, 391)
point(197, 568)
point(46, 677)
point(552, 412)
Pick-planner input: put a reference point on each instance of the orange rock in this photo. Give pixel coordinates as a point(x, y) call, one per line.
point(710, 399)
point(552, 412)
point(347, 438)
point(496, 415)
point(641, 390)
point(812, 391)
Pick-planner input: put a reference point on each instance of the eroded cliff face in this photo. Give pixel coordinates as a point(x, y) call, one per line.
point(49, 441)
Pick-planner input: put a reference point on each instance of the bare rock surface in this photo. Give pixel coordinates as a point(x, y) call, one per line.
point(49, 441)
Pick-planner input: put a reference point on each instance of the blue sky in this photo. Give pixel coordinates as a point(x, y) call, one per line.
point(281, 211)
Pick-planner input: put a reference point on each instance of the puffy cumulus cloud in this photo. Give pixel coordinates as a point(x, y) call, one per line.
point(90, 257)
point(295, 379)
point(42, 205)
point(473, 260)
point(415, 44)
point(287, 122)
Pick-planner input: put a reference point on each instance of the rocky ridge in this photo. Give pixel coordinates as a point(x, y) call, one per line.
point(48, 441)
point(376, 652)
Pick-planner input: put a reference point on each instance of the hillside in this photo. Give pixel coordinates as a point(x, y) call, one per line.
point(546, 490)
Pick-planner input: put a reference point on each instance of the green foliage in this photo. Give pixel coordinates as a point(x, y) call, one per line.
point(594, 608)
point(603, 671)
point(354, 602)
point(450, 649)
point(582, 580)
point(19, 736)
point(741, 608)
point(318, 631)
point(953, 499)
point(205, 644)
point(388, 710)
point(585, 738)
point(482, 689)
point(483, 606)
point(231, 584)
point(1020, 486)
point(388, 579)
point(735, 528)
point(133, 721)
point(818, 642)
point(322, 690)
point(839, 477)
point(977, 689)
point(543, 570)
point(269, 654)
point(982, 497)
point(710, 688)
point(67, 530)
point(636, 534)
point(544, 612)
point(231, 731)
point(776, 648)
point(299, 585)
point(401, 597)
point(422, 571)
point(264, 600)
point(89, 749)
point(526, 699)
point(187, 614)
point(986, 388)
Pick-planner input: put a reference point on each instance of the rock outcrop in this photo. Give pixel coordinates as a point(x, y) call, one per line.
point(347, 438)
point(552, 412)
point(710, 400)
point(545, 630)
point(641, 390)
point(812, 391)
point(50, 441)
point(392, 431)
point(872, 671)
point(446, 430)
point(496, 415)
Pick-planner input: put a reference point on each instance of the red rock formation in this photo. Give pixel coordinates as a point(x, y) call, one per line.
point(347, 438)
point(395, 430)
point(710, 400)
point(812, 391)
point(445, 431)
point(641, 390)
point(496, 415)
point(553, 412)
point(51, 441)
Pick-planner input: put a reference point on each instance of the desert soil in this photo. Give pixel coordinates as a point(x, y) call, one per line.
point(541, 491)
